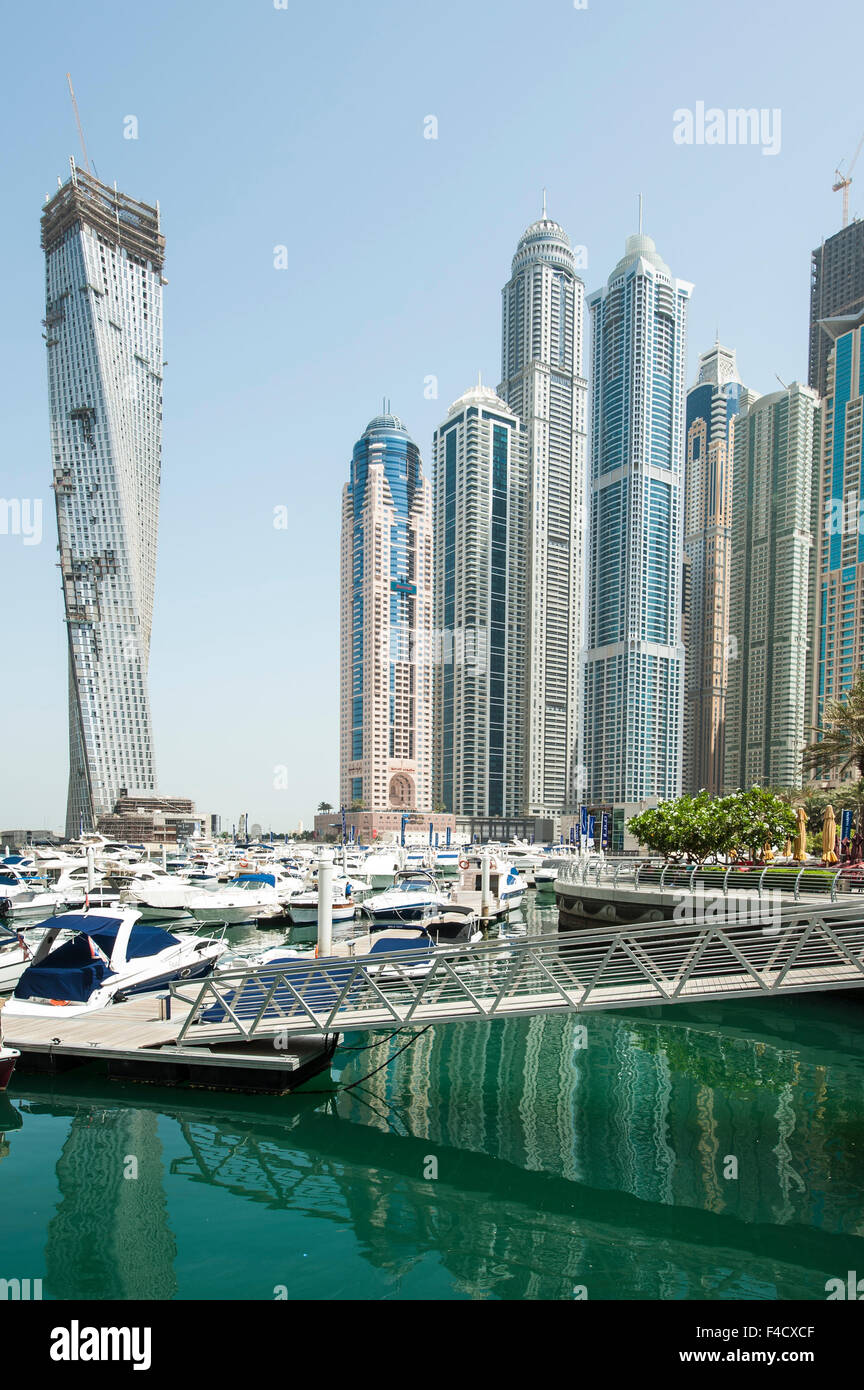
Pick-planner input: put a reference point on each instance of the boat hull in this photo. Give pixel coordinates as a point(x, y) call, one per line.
point(8, 1058)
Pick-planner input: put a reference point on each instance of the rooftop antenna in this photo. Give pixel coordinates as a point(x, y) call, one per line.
point(78, 123)
point(782, 382)
point(544, 204)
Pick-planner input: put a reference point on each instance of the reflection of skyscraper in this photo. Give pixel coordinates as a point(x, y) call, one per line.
point(634, 667)
point(109, 1237)
point(542, 381)
point(836, 287)
point(386, 679)
point(712, 404)
point(481, 693)
point(103, 318)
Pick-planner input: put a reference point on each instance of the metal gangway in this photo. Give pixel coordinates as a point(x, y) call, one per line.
point(577, 972)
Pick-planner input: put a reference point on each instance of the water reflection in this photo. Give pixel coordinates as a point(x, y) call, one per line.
point(564, 1158)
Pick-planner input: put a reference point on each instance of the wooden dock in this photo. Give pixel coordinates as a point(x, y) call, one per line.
point(134, 1042)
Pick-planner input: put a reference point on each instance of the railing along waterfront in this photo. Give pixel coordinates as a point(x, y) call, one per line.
point(725, 879)
point(574, 971)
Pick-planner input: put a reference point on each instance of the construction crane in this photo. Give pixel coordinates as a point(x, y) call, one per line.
point(843, 181)
point(80, 128)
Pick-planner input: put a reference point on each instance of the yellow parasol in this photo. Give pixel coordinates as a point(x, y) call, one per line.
point(799, 847)
point(829, 836)
point(787, 850)
point(767, 854)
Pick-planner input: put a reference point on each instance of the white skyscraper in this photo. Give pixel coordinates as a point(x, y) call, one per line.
point(542, 382)
point(103, 328)
point(480, 496)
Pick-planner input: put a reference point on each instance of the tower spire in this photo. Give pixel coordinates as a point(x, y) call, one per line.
point(640, 214)
point(544, 205)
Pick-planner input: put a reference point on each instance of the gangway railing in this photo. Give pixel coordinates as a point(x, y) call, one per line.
point(574, 971)
point(725, 879)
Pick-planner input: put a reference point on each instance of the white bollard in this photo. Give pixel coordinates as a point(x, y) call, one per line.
point(90, 874)
point(484, 885)
point(325, 907)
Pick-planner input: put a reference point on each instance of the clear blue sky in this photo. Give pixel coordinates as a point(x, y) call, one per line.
point(303, 127)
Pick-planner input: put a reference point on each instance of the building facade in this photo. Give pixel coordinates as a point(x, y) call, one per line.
point(712, 405)
point(775, 481)
point(386, 624)
point(634, 658)
point(103, 330)
point(838, 607)
point(836, 287)
point(480, 517)
point(543, 383)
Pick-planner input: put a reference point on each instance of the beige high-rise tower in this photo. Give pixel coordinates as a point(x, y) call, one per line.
point(386, 624)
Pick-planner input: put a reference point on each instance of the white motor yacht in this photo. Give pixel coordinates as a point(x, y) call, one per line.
point(109, 956)
point(414, 895)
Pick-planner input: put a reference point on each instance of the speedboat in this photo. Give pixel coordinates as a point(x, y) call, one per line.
point(303, 907)
point(244, 899)
point(413, 896)
point(110, 957)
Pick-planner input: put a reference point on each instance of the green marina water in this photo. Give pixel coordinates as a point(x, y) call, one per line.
point(693, 1152)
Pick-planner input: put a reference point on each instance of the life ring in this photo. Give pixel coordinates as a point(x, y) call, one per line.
point(493, 866)
point(463, 863)
point(244, 863)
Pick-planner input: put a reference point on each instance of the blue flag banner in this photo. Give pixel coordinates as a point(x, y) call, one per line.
point(583, 819)
point(591, 823)
point(846, 824)
point(604, 829)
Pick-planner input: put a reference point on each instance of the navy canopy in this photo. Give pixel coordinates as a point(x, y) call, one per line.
point(143, 940)
point(257, 878)
point(70, 973)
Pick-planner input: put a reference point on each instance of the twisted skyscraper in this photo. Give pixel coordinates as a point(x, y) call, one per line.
point(103, 329)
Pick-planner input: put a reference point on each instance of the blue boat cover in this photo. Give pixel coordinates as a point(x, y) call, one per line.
point(257, 878)
point(384, 944)
point(72, 973)
point(69, 973)
point(320, 991)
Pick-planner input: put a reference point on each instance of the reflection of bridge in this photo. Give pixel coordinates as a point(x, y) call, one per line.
point(556, 1165)
point(575, 972)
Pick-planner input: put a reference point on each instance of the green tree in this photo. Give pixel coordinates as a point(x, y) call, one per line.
point(757, 818)
point(699, 827)
point(324, 807)
point(691, 826)
point(851, 793)
point(840, 741)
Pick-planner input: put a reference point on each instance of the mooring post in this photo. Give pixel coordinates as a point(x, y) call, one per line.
point(484, 885)
point(90, 865)
point(325, 906)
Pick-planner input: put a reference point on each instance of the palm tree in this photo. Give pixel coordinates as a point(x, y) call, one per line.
point(840, 742)
point(852, 794)
point(324, 807)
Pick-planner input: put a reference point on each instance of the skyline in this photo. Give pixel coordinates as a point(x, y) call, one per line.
point(259, 412)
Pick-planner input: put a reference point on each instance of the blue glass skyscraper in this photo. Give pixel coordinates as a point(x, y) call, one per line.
point(634, 661)
point(386, 612)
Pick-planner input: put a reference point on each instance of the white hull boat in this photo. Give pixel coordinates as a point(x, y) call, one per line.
point(109, 957)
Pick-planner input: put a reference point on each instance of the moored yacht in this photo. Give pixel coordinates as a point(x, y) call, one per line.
point(414, 895)
point(109, 956)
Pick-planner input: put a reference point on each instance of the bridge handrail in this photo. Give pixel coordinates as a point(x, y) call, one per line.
point(587, 969)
